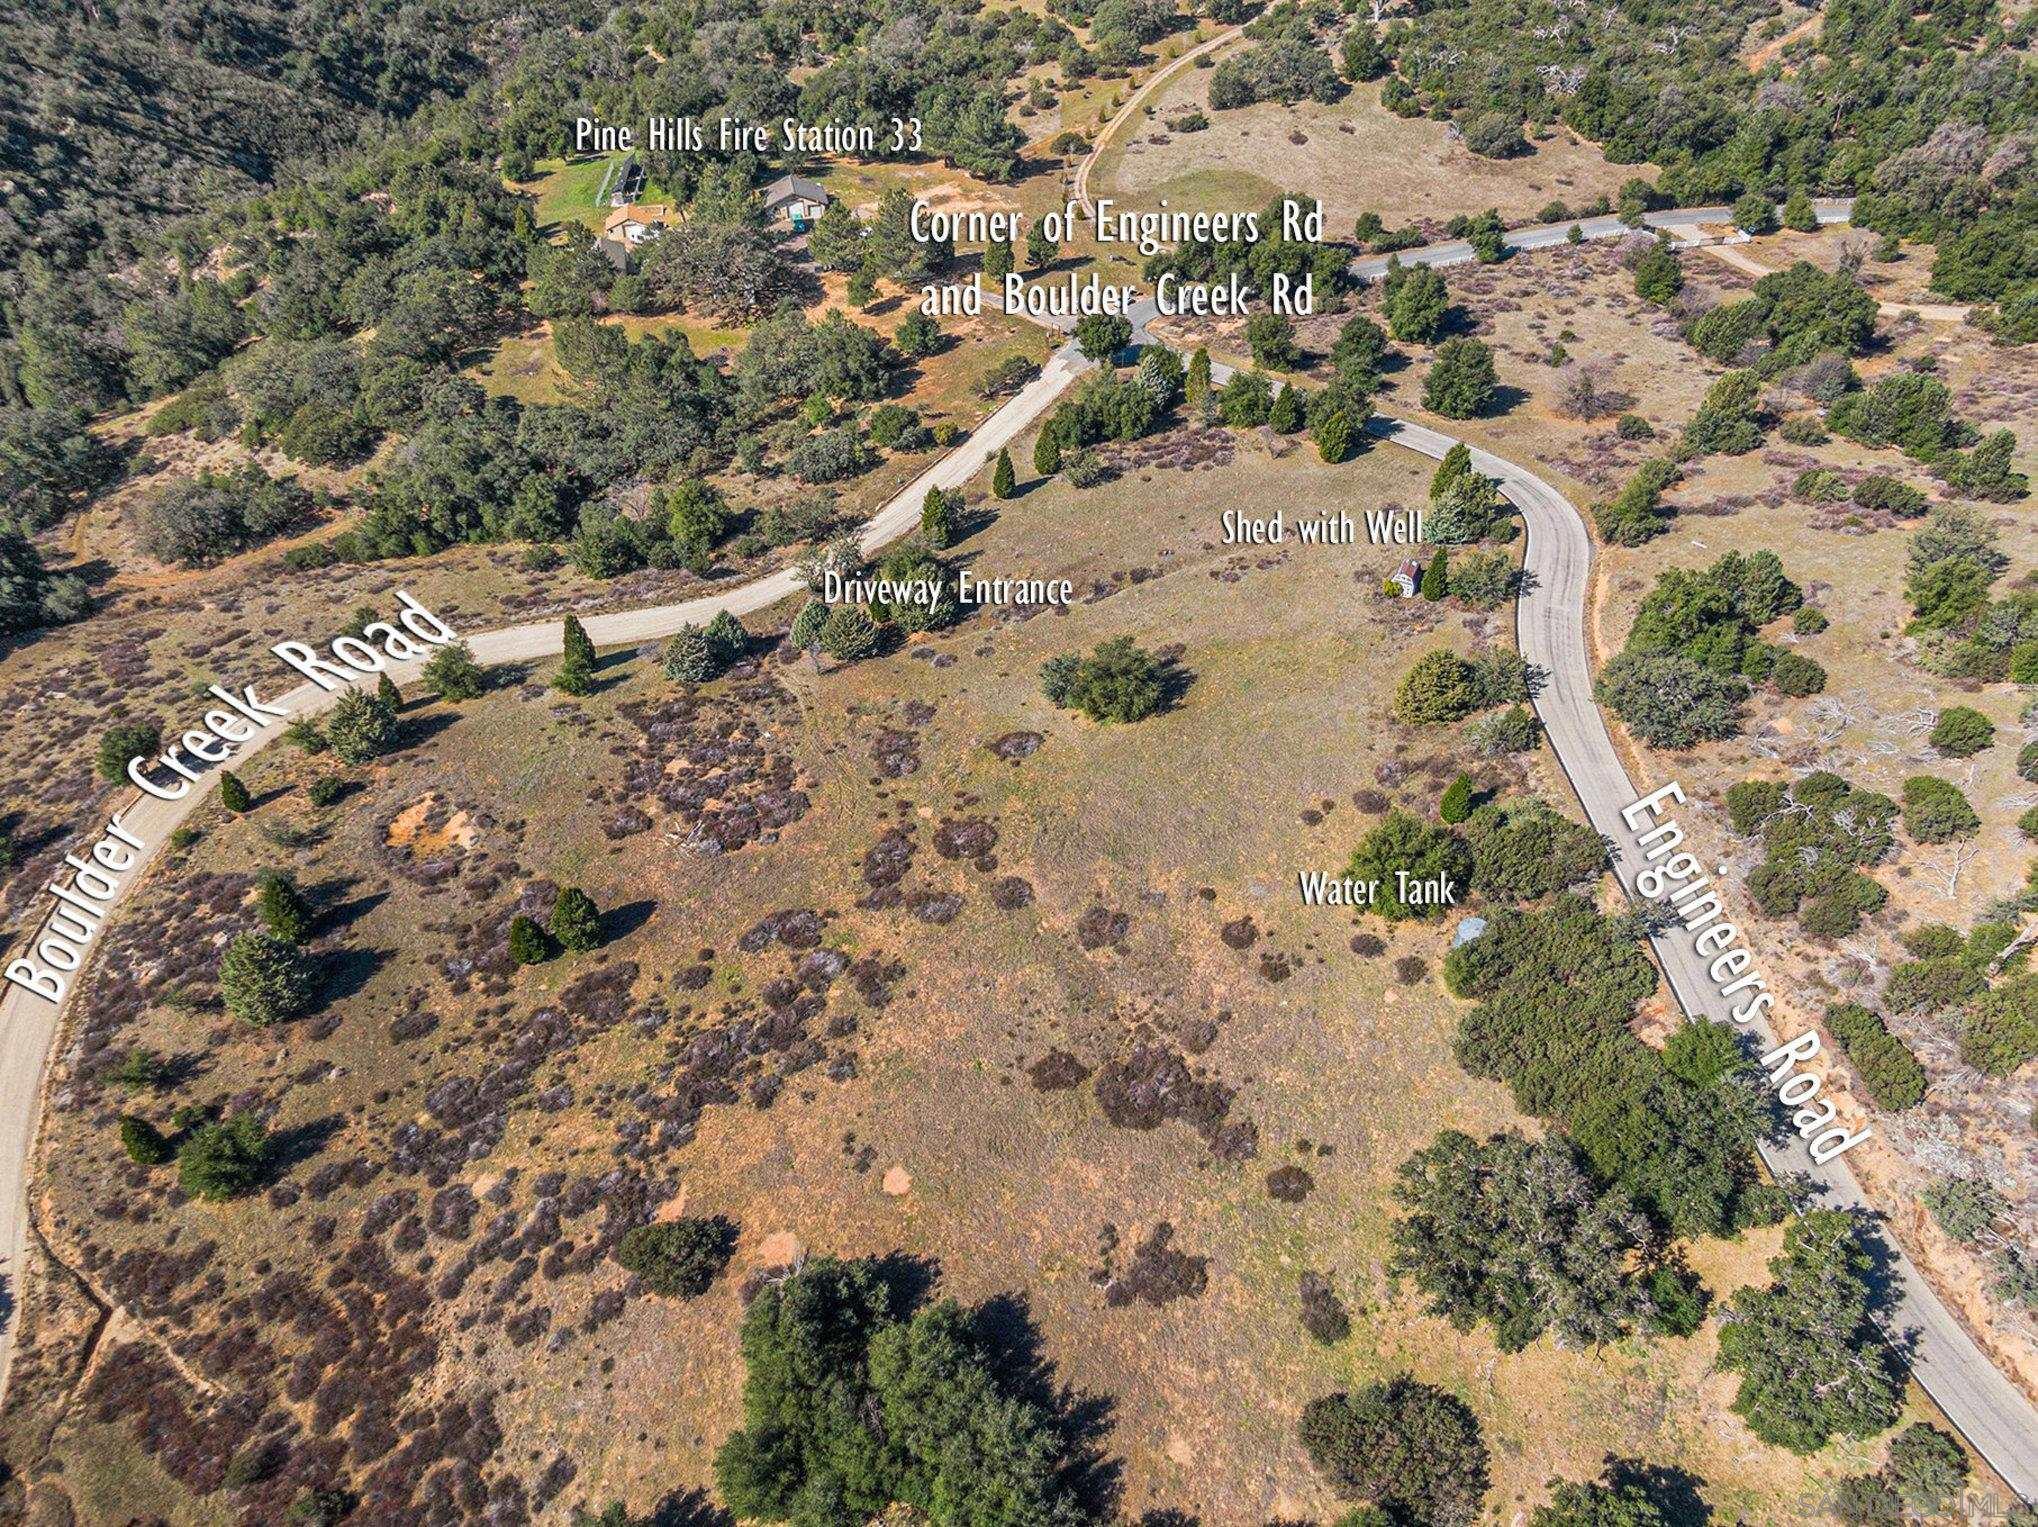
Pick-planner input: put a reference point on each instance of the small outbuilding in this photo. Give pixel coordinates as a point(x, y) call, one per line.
point(1407, 578)
point(797, 200)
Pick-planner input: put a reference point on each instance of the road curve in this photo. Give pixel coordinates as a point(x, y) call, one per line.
point(1976, 1397)
point(1080, 192)
point(1990, 1411)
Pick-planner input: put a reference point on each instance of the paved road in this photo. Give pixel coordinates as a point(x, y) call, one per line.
point(1686, 223)
point(1990, 1411)
point(1974, 1394)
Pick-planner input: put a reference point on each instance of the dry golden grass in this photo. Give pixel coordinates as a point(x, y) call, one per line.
point(1183, 823)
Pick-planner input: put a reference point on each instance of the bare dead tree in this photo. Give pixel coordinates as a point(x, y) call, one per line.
point(1955, 860)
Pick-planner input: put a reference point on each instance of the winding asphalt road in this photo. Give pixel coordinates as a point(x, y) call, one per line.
point(1991, 1412)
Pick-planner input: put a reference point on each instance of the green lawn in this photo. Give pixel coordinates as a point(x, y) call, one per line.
point(567, 189)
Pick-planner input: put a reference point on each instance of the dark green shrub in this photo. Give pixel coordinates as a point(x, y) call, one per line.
point(452, 674)
point(1120, 681)
point(123, 742)
point(1936, 812)
point(678, 1257)
point(1796, 675)
point(528, 943)
point(1887, 1067)
point(1408, 1448)
point(145, 1144)
point(222, 1160)
point(1962, 731)
point(576, 924)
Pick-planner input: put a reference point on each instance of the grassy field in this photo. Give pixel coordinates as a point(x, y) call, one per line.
point(1354, 155)
point(904, 1113)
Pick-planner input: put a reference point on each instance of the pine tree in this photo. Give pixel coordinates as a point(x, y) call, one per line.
point(1047, 452)
point(689, 657)
point(527, 944)
point(1798, 213)
point(1436, 580)
point(1003, 479)
point(360, 727)
point(144, 1143)
point(806, 631)
point(576, 664)
point(1333, 436)
point(1456, 804)
point(264, 979)
point(232, 793)
point(575, 642)
point(575, 921)
point(283, 909)
point(1286, 417)
point(1197, 389)
point(388, 694)
point(727, 637)
point(849, 633)
point(1457, 463)
point(937, 518)
point(997, 260)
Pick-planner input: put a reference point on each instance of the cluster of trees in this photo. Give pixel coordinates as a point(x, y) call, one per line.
point(1812, 1365)
point(1286, 69)
point(1913, 411)
point(366, 282)
point(574, 926)
point(217, 1159)
point(853, 1403)
point(1950, 569)
point(1518, 1234)
point(1695, 648)
point(30, 595)
point(1793, 317)
point(1508, 851)
point(1463, 504)
point(1981, 976)
point(1970, 1210)
point(195, 520)
point(361, 726)
point(1257, 261)
point(1675, 1129)
point(694, 655)
point(1818, 835)
point(1442, 687)
point(1917, 112)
